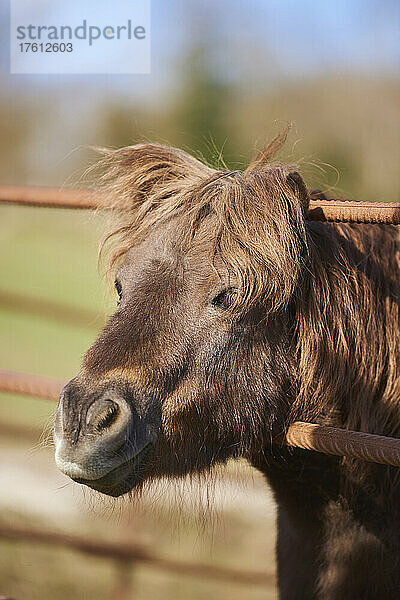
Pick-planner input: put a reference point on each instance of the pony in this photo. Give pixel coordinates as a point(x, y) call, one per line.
point(235, 317)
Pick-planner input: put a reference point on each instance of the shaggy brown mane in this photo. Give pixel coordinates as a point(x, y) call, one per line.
point(349, 359)
point(147, 184)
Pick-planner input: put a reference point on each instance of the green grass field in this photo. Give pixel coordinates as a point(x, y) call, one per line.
point(51, 255)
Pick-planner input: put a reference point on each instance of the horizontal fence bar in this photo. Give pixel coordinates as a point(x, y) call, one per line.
point(26, 384)
point(349, 211)
point(320, 209)
point(47, 197)
point(18, 432)
point(379, 449)
point(310, 436)
point(136, 553)
point(48, 309)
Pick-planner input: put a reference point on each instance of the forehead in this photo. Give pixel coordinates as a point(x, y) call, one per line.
point(167, 247)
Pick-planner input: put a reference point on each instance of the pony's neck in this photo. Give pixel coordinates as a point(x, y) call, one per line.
point(339, 519)
point(335, 540)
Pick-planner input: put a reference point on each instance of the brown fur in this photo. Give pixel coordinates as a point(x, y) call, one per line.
point(311, 332)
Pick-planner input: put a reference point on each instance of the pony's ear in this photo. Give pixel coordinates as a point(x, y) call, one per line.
point(283, 180)
point(278, 175)
point(295, 181)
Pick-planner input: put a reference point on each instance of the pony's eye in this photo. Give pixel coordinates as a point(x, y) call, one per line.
point(224, 299)
point(118, 287)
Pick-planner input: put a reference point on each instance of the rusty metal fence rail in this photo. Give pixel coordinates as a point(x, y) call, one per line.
point(126, 555)
point(321, 209)
point(47, 197)
point(50, 310)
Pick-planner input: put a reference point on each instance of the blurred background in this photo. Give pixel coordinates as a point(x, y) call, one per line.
point(226, 76)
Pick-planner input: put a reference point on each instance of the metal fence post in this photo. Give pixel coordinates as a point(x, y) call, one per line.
point(123, 588)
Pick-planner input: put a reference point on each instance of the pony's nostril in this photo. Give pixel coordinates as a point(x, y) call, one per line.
point(106, 414)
